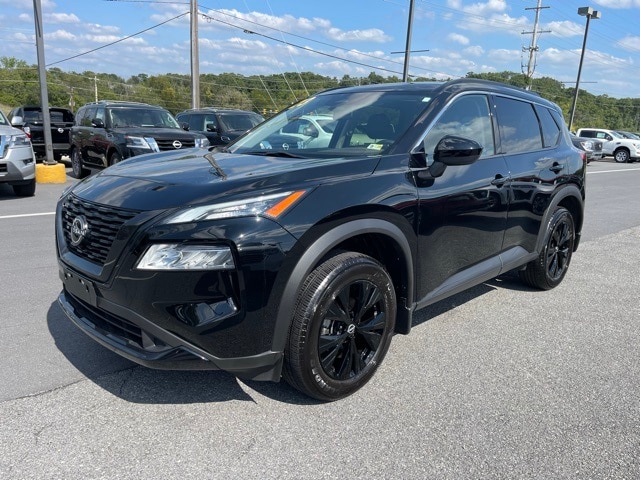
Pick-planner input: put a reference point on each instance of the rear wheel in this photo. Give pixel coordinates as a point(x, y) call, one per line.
point(26, 189)
point(342, 327)
point(551, 265)
point(76, 164)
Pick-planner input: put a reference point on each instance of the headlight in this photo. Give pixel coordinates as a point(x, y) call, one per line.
point(587, 145)
point(269, 205)
point(145, 143)
point(186, 257)
point(20, 140)
point(202, 142)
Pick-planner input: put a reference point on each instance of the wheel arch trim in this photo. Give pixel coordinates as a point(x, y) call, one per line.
point(318, 249)
point(569, 191)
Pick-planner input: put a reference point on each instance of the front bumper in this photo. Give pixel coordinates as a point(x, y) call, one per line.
point(145, 343)
point(17, 165)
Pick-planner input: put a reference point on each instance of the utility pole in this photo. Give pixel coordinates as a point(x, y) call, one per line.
point(195, 61)
point(42, 74)
point(533, 48)
point(407, 50)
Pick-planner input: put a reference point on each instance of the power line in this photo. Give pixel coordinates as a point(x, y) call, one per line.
point(119, 40)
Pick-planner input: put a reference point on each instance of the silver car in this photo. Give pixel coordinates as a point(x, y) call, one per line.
point(17, 161)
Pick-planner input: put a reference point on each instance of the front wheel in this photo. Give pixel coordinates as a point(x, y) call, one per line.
point(115, 158)
point(25, 189)
point(76, 164)
point(342, 327)
point(621, 155)
point(548, 270)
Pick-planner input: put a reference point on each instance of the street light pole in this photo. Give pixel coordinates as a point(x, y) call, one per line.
point(589, 13)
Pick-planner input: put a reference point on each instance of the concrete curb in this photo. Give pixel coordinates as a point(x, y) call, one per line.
point(56, 173)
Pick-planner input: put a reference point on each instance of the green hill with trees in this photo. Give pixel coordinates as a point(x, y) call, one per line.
point(268, 94)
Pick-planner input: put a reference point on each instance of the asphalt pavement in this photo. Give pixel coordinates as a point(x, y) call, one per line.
point(499, 382)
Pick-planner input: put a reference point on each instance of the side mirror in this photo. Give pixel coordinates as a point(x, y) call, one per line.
point(184, 126)
point(211, 127)
point(310, 132)
point(17, 121)
point(453, 150)
point(97, 122)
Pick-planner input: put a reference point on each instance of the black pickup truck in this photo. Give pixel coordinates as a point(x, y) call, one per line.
point(29, 119)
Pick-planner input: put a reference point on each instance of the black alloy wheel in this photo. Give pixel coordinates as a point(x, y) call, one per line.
point(342, 327)
point(553, 262)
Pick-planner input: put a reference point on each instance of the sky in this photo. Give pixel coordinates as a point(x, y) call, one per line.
point(334, 38)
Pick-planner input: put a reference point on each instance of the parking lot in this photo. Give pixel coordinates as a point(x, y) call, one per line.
point(497, 382)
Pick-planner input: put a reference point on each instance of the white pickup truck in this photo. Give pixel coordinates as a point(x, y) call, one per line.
point(613, 143)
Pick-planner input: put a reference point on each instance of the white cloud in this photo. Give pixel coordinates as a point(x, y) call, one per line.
point(475, 50)
point(369, 35)
point(458, 38)
point(564, 29)
point(618, 3)
point(60, 18)
point(631, 43)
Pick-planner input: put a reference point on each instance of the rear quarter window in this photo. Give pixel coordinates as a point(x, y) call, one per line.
point(550, 129)
point(519, 127)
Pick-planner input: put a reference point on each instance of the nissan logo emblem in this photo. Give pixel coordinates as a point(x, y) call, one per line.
point(177, 144)
point(79, 229)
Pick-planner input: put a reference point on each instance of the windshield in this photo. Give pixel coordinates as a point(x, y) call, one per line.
point(140, 117)
point(337, 123)
point(3, 119)
point(240, 121)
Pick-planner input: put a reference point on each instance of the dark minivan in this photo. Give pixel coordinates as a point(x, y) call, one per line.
point(281, 257)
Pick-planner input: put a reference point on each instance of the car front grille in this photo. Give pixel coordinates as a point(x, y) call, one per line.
point(103, 225)
point(173, 144)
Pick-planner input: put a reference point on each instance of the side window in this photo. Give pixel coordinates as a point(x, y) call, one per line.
point(100, 114)
point(519, 127)
point(550, 129)
point(601, 136)
point(468, 116)
point(209, 120)
point(88, 116)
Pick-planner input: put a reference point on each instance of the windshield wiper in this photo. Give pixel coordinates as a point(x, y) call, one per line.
point(274, 153)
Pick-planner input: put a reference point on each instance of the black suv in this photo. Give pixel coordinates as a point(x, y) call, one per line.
point(107, 132)
point(270, 258)
point(221, 126)
point(29, 119)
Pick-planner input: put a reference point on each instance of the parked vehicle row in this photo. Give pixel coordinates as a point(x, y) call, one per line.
point(622, 148)
point(284, 257)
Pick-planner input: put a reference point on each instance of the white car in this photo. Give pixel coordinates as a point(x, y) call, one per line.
point(613, 143)
point(315, 131)
point(17, 161)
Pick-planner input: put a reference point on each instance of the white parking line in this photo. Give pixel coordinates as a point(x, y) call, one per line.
point(617, 170)
point(26, 215)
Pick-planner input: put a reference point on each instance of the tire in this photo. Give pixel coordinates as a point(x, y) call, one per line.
point(76, 164)
point(26, 189)
point(342, 327)
point(551, 265)
point(115, 158)
point(621, 155)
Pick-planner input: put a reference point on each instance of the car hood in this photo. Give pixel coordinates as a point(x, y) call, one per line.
point(9, 130)
point(198, 176)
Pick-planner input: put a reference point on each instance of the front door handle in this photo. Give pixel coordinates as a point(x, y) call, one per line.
point(499, 180)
